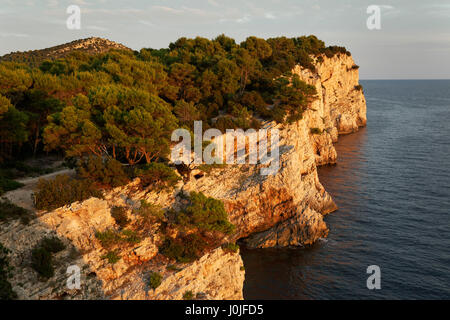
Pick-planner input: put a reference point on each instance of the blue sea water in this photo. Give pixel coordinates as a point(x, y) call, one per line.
point(392, 186)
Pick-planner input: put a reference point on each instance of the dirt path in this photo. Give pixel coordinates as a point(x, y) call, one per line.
point(23, 196)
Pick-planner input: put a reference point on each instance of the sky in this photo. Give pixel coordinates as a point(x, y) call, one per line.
point(412, 43)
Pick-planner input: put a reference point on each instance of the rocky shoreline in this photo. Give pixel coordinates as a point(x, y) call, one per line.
point(285, 209)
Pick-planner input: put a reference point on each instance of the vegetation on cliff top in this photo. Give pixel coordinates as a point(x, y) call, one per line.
point(63, 190)
point(124, 105)
point(201, 224)
point(113, 112)
point(36, 57)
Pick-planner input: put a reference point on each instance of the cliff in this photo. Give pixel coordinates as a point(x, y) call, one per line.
point(217, 275)
point(269, 211)
point(288, 208)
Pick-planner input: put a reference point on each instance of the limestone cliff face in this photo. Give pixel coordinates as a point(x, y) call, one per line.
point(288, 207)
point(257, 203)
point(340, 107)
point(342, 95)
point(216, 275)
point(284, 209)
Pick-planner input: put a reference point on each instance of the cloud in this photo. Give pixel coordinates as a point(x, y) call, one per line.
point(269, 15)
point(246, 18)
point(391, 11)
point(146, 23)
point(167, 9)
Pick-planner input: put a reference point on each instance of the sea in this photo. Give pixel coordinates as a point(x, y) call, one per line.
point(392, 187)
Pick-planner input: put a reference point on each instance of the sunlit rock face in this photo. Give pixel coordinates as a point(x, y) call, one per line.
point(282, 209)
point(287, 208)
point(340, 107)
point(217, 275)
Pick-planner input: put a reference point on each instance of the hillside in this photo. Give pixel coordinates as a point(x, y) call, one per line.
point(91, 45)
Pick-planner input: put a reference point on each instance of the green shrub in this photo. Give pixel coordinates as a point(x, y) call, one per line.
point(230, 247)
point(16, 169)
point(293, 96)
point(61, 191)
point(52, 245)
point(184, 248)
point(241, 118)
point(70, 162)
point(188, 295)
point(157, 175)
point(6, 291)
point(225, 122)
point(9, 210)
point(149, 213)
point(41, 256)
point(209, 167)
point(155, 280)
point(41, 262)
point(23, 170)
point(8, 185)
point(205, 213)
point(130, 236)
point(333, 50)
point(112, 257)
point(120, 216)
point(107, 172)
point(174, 268)
point(315, 131)
point(201, 214)
point(109, 238)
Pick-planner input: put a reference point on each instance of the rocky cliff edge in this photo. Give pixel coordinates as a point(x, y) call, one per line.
point(285, 209)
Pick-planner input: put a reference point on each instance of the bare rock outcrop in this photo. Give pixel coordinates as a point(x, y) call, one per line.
point(340, 107)
point(256, 202)
point(216, 275)
point(92, 45)
point(303, 229)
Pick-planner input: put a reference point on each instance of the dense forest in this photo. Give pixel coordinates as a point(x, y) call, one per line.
point(111, 114)
point(123, 105)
